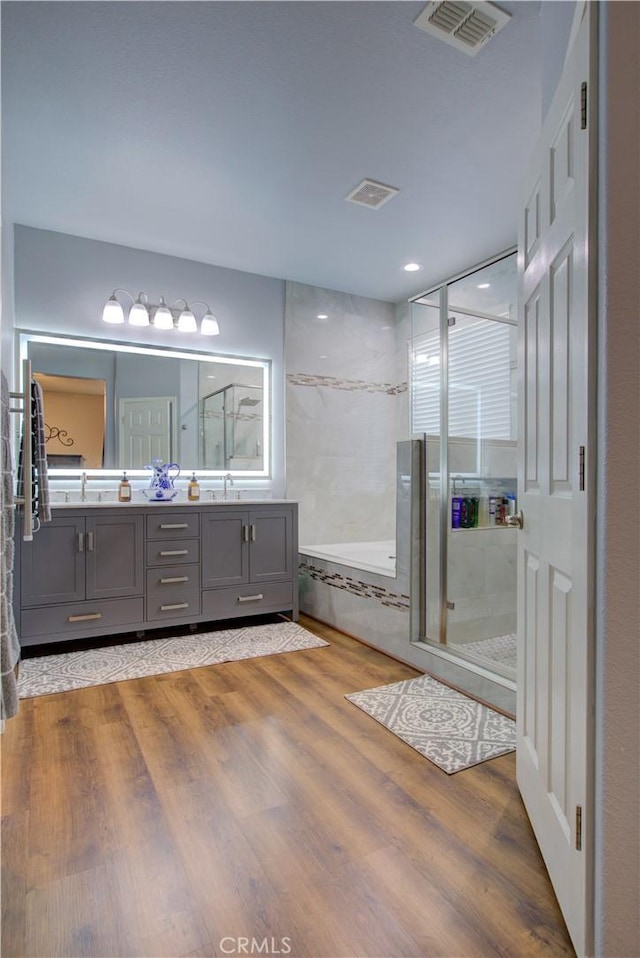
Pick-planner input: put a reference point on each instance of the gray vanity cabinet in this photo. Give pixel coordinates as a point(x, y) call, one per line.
point(81, 572)
point(249, 560)
point(92, 572)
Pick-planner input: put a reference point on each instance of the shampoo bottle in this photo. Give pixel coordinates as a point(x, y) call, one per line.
point(193, 493)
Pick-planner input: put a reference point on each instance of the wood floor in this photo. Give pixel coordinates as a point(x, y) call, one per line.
point(248, 808)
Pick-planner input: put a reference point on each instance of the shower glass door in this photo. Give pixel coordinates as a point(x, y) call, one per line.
point(467, 357)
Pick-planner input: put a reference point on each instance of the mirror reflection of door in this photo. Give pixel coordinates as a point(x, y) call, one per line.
point(146, 430)
point(74, 415)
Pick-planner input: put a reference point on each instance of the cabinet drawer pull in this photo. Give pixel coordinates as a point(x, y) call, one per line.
point(176, 605)
point(174, 525)
point(250, 598)
point(84, 618)
point(174, 552)
point(174, 578)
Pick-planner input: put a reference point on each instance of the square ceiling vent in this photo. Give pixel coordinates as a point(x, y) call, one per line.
point(466, 26)
point(371, 194)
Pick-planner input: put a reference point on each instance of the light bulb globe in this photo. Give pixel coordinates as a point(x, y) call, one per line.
point(209, 325)
point(187, 322)
point(162, 318)
point(112, 312)
point(139, 315)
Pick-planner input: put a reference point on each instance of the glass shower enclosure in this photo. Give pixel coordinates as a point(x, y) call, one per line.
point(231, 428)
point(463, 364)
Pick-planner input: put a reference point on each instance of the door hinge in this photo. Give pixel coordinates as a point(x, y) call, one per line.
point(581, 469)
point(578, 828)
point(583, 106)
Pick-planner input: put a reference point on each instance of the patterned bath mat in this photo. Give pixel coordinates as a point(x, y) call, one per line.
point(450, 729)
point(45, 674)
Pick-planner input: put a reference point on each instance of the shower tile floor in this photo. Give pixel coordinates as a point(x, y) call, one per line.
point(501, 649)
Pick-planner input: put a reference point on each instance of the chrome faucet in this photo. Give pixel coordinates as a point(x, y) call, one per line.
point(226, 479)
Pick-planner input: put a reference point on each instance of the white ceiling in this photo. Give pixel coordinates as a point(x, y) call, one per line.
point(230, 133)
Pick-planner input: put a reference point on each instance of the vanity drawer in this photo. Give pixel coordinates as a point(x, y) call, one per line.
point(247, 600)
point(81, 617)
point(172, 580)
point(174, 552)
point(172, 525)
point(176, 605)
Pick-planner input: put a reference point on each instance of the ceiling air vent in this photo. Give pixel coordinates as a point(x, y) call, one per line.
point(371, 194)
point(466, 26)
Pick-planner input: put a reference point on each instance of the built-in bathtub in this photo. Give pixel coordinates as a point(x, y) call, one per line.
point(353, 586)
point(378, 557)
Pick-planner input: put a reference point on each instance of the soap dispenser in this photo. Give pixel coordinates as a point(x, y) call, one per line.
point(124, 489)
point(193, 493)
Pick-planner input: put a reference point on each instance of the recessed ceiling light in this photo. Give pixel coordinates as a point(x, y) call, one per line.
point(324, 356)
point(411, 267)
point(484, 285)
point(323, 316)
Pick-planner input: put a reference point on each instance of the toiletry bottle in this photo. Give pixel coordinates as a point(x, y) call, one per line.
point(124, 489)
point(193, 493)
point(456, 507)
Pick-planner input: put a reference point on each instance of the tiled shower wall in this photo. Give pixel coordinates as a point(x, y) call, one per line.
point(346, 393)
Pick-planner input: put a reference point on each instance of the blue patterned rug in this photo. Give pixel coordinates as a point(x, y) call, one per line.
point(446, 727)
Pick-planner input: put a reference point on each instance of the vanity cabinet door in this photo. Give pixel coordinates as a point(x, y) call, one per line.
point(52, 566)
point(271, 554)
point(225, 555)
point(114, 555)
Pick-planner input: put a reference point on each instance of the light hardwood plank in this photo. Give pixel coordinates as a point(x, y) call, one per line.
point(180, 814)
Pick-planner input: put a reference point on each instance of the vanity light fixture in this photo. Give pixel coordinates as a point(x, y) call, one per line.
point(176, 316)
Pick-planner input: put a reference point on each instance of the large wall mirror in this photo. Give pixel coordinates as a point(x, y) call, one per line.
point(113, 406)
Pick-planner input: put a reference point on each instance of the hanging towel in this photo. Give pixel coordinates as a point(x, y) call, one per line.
point(40, 453)
point(9, 643)
point(37, 485)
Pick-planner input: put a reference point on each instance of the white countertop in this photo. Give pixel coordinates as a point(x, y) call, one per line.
point(155, 504)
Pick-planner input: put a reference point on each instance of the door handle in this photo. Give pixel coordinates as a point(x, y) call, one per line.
point(90, 541)
point(517, 520)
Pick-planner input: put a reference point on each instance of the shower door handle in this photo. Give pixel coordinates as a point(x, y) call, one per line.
point(517, 520)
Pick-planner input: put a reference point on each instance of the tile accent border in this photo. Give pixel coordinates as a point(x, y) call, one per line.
point(365, 590)
point(351, 385)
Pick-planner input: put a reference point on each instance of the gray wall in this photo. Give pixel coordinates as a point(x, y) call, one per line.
point(62, 283)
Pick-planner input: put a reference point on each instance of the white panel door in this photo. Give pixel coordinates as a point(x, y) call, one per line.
point(146, 431)
point(556, 495)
